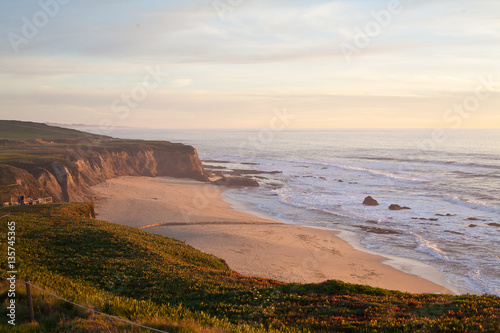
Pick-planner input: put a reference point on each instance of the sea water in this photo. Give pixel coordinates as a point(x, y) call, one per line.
point(451, 184)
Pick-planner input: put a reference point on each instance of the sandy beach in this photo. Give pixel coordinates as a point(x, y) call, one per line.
point(197, 214)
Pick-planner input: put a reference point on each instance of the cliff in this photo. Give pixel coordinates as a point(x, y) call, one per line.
point(66, 168)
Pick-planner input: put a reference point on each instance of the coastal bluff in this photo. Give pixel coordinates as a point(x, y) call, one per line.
point(40, 160)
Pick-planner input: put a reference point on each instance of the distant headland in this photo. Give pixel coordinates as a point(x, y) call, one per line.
point(39, 160)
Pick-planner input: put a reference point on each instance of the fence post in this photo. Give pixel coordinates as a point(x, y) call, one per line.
point(30, 302)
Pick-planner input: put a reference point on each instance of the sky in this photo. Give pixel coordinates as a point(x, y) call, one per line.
point(238, 63)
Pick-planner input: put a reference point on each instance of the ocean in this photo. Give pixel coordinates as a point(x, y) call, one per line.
point(452, 186)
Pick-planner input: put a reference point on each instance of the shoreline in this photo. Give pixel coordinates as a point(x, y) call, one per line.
point(255, 244)
point(405, 265)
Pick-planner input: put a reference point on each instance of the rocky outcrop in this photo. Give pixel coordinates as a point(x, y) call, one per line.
point(236, 182)
point(397, 207)
point(70, 178)
point(369, 201)
point(14, 181)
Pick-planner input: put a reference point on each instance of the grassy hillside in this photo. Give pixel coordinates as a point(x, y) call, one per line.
point(163, 283)
point(22, 130)
point(27, 142)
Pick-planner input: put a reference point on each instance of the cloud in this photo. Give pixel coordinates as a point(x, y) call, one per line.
point(261, 32)
point(269, 54)
point(182, 83)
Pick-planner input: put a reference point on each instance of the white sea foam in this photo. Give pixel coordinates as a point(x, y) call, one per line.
point(472, 204)
point(429, 247)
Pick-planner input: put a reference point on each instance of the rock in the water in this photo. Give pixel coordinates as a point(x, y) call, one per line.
point(369, 201)
point(379, 230)
point(397, 207)
point(454, 232)
point(236, 182)
point(475, 219)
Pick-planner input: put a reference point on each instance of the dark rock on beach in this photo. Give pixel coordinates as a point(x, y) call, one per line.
point(397, 207)
point(494, 225)
point(369, 201)
point(381, 231)
point(275, 186)
point(215, 161)
point(209, 166)
point(243, 172)
point(236, 182)
point(453, 232)
point(256, 172)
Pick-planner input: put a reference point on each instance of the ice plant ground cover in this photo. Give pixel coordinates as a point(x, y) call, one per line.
point(166, 284)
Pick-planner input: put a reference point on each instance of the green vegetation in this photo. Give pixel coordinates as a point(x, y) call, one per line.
point(6, 157)
point(22, 130)
point(165, 284)
point(27, 144)
point(24, 144)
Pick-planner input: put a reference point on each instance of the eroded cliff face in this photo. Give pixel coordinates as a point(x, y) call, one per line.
point(14, 181)
point(70, 178)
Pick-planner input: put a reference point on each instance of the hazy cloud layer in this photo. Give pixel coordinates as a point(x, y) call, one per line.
point(232, 72)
